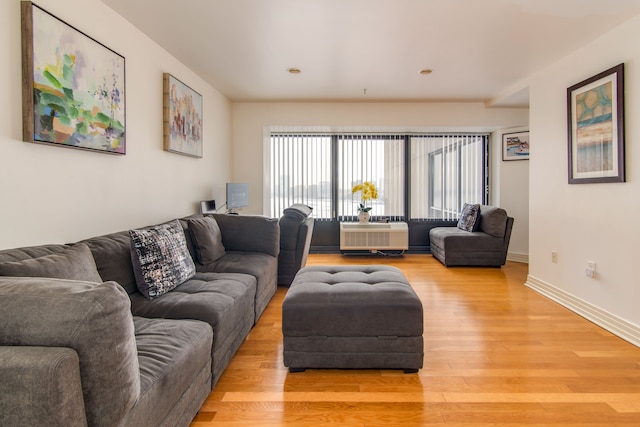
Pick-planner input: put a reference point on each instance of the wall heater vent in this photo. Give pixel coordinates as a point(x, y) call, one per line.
point(374, 236)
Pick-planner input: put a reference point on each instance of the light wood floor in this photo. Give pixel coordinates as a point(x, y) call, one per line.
point(496, 354)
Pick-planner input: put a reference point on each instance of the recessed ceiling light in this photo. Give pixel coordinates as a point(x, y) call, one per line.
point(426, 71)
point(293, 70)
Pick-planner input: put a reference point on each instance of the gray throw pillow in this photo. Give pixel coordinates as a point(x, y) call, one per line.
point(74, 263)
point(469, 217)
point(207, 239)
point(160, 258)
point(493, 221)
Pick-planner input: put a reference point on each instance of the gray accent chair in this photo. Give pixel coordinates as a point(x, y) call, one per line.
point(487, 246)
point(296, 229)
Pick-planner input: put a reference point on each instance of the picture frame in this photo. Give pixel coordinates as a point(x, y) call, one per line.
point(595, 112)
point(515, 146)
point(73, 87)
point(182, 118)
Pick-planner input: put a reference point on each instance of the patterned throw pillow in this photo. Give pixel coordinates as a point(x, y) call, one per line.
point(469, 217)
point(161, 260)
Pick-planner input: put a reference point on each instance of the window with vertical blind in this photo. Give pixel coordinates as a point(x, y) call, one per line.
point(375, 158)
point(447, 171)
point(418, 177)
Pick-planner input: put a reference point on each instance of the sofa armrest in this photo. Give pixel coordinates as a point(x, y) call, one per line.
point(94, 319)
point(40, 386)
point(249, 233)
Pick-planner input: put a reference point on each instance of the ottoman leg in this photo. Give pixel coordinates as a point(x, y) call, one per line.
point(294, 370)
point(410, 371)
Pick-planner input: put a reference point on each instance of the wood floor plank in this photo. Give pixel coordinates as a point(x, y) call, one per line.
point(496, 354)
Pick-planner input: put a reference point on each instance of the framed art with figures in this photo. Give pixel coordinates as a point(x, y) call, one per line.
point(515, 146)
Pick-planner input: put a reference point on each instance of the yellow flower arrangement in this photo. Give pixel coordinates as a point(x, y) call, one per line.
point(369, 192)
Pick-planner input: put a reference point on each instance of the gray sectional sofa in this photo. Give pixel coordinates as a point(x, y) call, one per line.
point(485, 244)
point(81, 345)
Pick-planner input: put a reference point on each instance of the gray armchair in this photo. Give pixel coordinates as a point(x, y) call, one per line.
point(296, 228)
point(487, 246)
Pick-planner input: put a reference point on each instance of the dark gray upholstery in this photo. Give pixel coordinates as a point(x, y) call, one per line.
point(252, 247)
point(194, 299)
point(40, 383)
point(121, 359)
point(487, 246)
point(92, 319)
point(175, 371)
point(74, 263)
point(352, 317)
point(224, 301)
point(296, 229)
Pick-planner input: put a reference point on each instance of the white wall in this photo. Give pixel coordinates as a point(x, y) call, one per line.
point(250, 120)
point(51, 194)
point(587, 222)
point(510, 190)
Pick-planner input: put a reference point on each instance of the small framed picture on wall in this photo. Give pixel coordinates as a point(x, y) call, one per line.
point(515, 146)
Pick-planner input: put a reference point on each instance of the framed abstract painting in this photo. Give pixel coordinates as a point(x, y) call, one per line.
point(182, 118)
point(595, 111)
point(73, 87)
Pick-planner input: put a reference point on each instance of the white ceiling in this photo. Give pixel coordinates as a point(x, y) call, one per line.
point(479, 50)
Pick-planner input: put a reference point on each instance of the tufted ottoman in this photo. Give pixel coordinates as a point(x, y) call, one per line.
point(352, 317)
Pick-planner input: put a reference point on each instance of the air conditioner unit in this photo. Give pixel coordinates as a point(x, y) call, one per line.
point(374, 236)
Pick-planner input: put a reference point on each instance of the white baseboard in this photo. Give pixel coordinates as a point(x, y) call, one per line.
point(617, 326)
point(516, 257)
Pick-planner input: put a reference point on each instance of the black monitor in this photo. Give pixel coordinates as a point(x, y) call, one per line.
point(237, 195)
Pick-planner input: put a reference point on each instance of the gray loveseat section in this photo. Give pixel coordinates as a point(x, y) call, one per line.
point(486, 246)
point(175, 346)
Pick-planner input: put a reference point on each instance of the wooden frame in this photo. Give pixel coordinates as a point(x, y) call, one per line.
point(595, 112)
point(515, 146)
point(182, 118)
point(73, 87)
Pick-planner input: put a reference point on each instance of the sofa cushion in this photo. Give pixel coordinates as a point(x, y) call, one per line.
point(493, 221)
point(455, 240)
point(28, 252)
point(112, 253)
point(160, 258)
point(74, 263)
point(224, 301)
point(207, 239)
point(469, 217)
point(249, 233)
point(174, 356)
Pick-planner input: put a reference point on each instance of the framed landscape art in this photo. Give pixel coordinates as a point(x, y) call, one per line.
point(182, 119)
point(595, 111)
point(73, 87)
point(515, 146)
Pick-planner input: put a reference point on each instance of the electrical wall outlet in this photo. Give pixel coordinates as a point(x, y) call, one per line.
point(554, 257)
point(591, 269)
